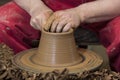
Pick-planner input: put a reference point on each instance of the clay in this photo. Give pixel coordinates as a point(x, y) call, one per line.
point(15, 73)
point(57, 51)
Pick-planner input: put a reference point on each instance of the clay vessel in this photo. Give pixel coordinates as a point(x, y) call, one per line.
point(57, 50)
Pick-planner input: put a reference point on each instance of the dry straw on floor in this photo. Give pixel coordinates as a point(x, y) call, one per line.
point(9, 72)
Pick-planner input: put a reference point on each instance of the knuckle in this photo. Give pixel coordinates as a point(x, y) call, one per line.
point(33, 20)
point(37, 17)
point(58, 13)
point(31, 23)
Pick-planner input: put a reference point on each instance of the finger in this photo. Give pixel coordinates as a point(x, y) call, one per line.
point(35, 26)
point(49, 23)
point(67, 27)
point(39, 23)
point(38, 27)
point(43, 21)
point(54, 25)
point(60, 26)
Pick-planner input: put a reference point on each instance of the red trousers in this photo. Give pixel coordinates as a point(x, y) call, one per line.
point(16, 32)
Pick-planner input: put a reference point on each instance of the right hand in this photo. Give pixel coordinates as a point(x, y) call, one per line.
point(38, 11)
point(39, 19)
point(63, 21)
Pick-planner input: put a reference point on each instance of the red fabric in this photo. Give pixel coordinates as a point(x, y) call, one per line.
point(110, 37)
point(64, 4)
point(16, 31)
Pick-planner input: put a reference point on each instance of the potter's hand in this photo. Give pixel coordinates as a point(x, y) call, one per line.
point(62, 21)
point(38, 20)
point(38, 11)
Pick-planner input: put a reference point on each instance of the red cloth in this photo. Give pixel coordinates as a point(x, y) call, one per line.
point(16, 31)
point(110, 38)
point(64, 4)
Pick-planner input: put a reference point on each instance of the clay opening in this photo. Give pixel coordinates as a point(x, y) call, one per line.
point(54, 33)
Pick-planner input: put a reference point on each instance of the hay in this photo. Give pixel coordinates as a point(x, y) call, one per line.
point(9, 72)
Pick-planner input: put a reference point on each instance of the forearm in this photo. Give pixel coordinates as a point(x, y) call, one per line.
point(99, 10)
point(32, 5)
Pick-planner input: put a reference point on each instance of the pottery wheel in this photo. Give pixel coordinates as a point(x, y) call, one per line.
point(91, 61)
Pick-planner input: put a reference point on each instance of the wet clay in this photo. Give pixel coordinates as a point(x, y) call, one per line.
point(57, 51)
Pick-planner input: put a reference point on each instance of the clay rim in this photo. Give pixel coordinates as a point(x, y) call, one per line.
point(53, 33)
point(73, 69)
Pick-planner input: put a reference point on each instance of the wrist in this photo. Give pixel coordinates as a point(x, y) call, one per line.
point(80, 13)
point(83, 13)
point(23, 4)
point(38, 8)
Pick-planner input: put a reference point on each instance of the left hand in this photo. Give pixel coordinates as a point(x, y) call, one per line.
point(62, 21)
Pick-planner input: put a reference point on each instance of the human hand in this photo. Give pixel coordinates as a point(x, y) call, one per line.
point(62, 21)
point(38, 11)
point(39, 20)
